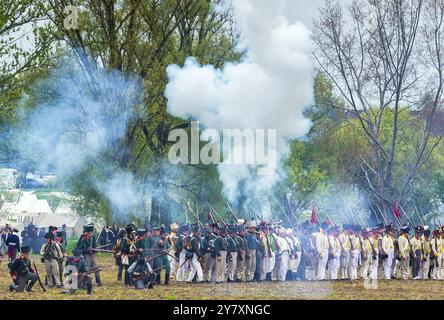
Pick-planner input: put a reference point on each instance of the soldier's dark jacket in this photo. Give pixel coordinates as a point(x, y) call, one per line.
point(195, 246)
point(206, 247)
point(21, 267)
point(86, 244)
point(231, 244)
point(250, 239)
point(220, 244)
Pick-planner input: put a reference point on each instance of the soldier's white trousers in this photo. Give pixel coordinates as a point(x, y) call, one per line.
point(174, 264)
point(265, 267)
point(387, 263)
point(322, 264)
point(240, 266)
point(272, 261)
point(440, 274)
point(425, 266)
point(283, 266)
point(405, 268)
point(184, 266)
point(333, 267)
point(373, 268)
point(297, 261)
point(231, 266)
point(196, 268)
point(345, 264)
point(52, 269)
point(365, 267)
point(207, 267)
point(250, 265)
point(354, 263)
point(221, 266)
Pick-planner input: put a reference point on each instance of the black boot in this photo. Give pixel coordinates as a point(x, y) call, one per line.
point(268, 277)
point(150, 286)
point(158, 279)
point(167, 279)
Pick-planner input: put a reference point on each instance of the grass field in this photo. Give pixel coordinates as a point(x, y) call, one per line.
point(343, 290)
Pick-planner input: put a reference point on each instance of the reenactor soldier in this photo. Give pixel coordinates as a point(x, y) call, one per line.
point(344, 238)
point(60, 240)
point(335, 249)
point(220, 253)
point(141, 273)
point(294, 235)
point(322, 248)
point(283, 254)
point(181, 249)
point(51, 255)
point(355, 252)
point(118, 253)
point(233, 251)
point(426, 251)
point(87, 243)
point(250, 255)
point(207, 247)
point(367, 253)
point(388, 251)
point(172, 238)
point(162, 261)
point(374, 259)
point(259, 256)
point(194, 254)
point(242, 246)
point(129, 252)
point(404, 252)
point(141, 235)
point(436, 254)
point(441, 255)
point(23, 275)
point(416, 249)
point(12, 241)
point(77, 275)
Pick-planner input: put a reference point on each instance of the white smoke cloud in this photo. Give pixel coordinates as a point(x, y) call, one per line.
point(268, 90)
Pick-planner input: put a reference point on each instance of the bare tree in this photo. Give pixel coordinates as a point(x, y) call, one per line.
point(384, 58)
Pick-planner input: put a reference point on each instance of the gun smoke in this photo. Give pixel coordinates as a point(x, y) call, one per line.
point(269, 89)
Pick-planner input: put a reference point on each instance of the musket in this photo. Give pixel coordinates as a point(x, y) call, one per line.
point(232, 211)
point(160, 255)
point(103, 250)
point(196, 216)
point(217, 215)
point(38, 277)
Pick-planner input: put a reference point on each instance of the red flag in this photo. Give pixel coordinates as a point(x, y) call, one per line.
point(396, 211)
point(314, 219)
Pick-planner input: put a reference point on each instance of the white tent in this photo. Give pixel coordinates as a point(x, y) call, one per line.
point(63, 215)
point(26, 209)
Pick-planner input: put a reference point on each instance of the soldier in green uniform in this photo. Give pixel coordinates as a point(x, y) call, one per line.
point(162, 261)
point(242, 247)
point(140, 239)
point(220, 253)
point(232, 253)
point(87, 243)
point(77, 275)
point(250, 255)
point(207, 247)
point(194, 254)
point(23, 274)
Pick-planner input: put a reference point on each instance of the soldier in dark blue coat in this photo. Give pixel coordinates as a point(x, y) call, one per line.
point(13, 244)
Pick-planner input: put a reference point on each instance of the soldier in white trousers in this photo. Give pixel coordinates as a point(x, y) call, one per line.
point(284, 253)
point(425, 263)
point(196, 268)
point(322, 247)
point(355, 251)
point(404, 252)
point(388, 251)
point(334, 253)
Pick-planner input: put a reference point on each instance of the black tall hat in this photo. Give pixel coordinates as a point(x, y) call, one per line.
point(88, 227)
point(49, 235)
point(130, 228)
point(405, 229)
point(25, 249)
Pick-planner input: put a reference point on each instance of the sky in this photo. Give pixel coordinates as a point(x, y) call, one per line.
point(305, 10)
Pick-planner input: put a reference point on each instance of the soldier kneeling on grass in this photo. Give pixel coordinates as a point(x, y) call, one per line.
point(77, 275)
point(142, 274)
point(22, 273)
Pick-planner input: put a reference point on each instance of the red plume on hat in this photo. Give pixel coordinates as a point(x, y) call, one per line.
point(313, 219)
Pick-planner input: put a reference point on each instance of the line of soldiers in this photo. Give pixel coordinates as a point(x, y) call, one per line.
point(247, 251)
